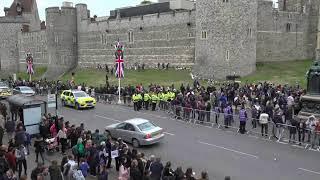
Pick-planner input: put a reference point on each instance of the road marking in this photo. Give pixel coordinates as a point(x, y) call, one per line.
point(103, 117)
point(310, 171)
point(227, 149)
point(168, 133)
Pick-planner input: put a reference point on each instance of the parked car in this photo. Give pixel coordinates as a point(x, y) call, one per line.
point(4, 91)
point(25, 90)
point(137, 131)
point(77, 99)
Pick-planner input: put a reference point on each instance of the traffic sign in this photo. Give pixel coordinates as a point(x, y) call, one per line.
point(51, 101)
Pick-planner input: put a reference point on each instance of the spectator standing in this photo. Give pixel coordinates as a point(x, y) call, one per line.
point(135, 173)
point(124, 171)
point(243, 119)
point(103, 173)
point(39, 147)
point(21, 154)
point(167, 173)
point(189, 174)
point(84, 167)
point(156, 169)
point(204, 176)
point(263, 119)
point(55, 172)
point(11, 159)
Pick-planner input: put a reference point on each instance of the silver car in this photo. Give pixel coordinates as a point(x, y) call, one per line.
point(137, 131)
point(25, 90)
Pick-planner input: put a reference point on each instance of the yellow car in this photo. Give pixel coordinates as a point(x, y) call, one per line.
point(77, 99)
point(4, 92)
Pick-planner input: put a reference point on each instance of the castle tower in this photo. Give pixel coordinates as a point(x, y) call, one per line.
point(61, 35)
point(225, 38)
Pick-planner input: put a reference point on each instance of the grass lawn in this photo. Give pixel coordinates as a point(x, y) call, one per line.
point(39, 71)
point(288, 72)
point(168, 77)
point(277, 72)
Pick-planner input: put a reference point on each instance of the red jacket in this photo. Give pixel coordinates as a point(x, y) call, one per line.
point(11, 158)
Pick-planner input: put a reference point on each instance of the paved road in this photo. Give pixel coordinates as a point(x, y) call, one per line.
point(219, 152)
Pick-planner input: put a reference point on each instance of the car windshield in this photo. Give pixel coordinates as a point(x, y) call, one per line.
point(80, 94)
point(25, 89)
point(146, 126)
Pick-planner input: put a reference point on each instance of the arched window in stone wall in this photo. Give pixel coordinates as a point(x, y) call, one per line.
point(288, 27)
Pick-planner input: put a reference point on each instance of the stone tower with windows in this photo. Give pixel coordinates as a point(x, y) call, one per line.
point(225, 38)
point(61, 34)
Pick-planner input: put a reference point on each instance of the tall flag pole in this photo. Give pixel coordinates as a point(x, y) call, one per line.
point(120, 66)
point(29, 61)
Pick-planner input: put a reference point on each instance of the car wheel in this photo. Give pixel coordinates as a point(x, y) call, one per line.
point(135, 143)
point(63, 103)
point(77, 106)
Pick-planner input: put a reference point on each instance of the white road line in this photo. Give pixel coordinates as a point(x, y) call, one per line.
point(103, 117)
point(310, 171)
point(168, 133)
point(227, 149)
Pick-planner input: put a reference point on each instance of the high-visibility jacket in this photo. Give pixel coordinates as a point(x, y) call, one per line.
point(160, 96)
point(154, 98)
point(139, 97)
point(134, 98)
point(146, 97)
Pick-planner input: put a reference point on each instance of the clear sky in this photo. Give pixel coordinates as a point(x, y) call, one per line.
point(97, 7)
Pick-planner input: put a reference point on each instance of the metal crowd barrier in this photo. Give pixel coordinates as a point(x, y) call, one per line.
point(282, 133)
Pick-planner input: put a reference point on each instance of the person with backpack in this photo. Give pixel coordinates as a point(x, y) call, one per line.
point(21, 153)
point(39, 147)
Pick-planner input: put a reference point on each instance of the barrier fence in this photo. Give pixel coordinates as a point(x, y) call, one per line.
point(282, 133)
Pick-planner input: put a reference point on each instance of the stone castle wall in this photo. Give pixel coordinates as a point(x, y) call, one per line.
point(282, 35)
point(9, 52)
point(226, 38)
point(36, 44)
point(164, 38)
point(61, 36)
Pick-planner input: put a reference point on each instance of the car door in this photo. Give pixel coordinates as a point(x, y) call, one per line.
point(129, 132)
point(66, 98)
point(118, 130)
point(72, 99)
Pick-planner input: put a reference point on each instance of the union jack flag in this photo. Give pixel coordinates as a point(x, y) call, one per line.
point(119, 60)
point(120, 67)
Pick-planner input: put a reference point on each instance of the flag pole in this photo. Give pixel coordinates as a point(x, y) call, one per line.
point(119, 91)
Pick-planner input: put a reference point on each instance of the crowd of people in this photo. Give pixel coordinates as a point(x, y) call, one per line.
point(90, 154)
point(260, 104)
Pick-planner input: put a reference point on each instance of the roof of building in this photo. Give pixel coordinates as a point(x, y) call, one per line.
point(141, 10)
point(21, 100)
point(25, 4)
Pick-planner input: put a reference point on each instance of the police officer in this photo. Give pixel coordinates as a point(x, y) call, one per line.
point(154, 99)
point(243, 119)
point(135, 101)
point(146, 99)
point(139, 101)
